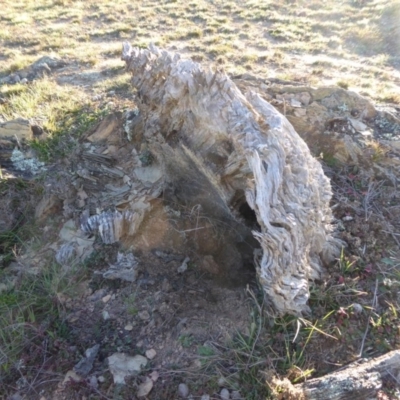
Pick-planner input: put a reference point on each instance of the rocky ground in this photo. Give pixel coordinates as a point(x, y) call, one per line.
point(88, 314)
point(159, 297)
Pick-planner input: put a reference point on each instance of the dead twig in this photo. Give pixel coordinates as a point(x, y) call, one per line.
point(373, 191)
point(369, 316)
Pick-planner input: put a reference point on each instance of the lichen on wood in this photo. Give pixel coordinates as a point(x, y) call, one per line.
point(213, 141)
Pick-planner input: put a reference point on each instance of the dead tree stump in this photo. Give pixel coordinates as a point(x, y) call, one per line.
point(221, 148)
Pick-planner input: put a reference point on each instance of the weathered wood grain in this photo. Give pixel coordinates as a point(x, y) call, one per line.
point(214, 141)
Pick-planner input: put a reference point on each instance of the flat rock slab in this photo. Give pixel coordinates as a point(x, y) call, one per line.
point(17, 128)
point(122, 366)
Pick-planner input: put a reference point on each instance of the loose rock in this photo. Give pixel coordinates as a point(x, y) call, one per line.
point(129, 327)
point(184, 266)
point(150, 354)
point(93, 382)
point(122, 365)
point(144, 315)
point(71, 376)
point(225, 394)
point(183, 390)
point(106, 299)
point(357, 308)
point(86, 364)
point(19, 128)
point(145, 388)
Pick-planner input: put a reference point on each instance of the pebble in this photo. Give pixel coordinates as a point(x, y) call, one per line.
point(105, 315)
point(106, 299)
point(101, 379)
point(93, 382)
point(236, 395)
point(14, 78)
point(205, 397)
point(357, 308)
point(183, 390)
point(97, 295)
point(221, 382)
point(129, 327)
point(150, 354)
point(144, 315)
point(225, 394)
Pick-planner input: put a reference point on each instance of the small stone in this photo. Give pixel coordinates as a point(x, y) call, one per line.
point(154, 376)
point(85, 365)
point(122, 365)
point(295, 103)
point(300, 112)
point(358, 125)
point(305, 98)
point(71, 376)
point(37, 130)
point(205, 397)
point(357, 308)
point(225, 394)
point(129, 327)
point(221, 382)
point(101, 379)
point(18, 128)
point(104, 130)
point(14, 78)
point(106, 299)
point(150, 354)
point(93, 382)
point(347, 218)
point(145, 388)
point(236, 395)
point(144, 315)
point(367, 133)
point(184, 266)
point(98, 294)
point(106, 315)
point(183, 390)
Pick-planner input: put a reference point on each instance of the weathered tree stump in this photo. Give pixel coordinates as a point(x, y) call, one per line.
point(221, 148)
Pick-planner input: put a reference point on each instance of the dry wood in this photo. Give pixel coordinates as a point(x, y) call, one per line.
point(357, 381)
point(214, 143)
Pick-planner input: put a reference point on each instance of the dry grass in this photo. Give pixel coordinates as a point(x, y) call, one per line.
point(359, 35)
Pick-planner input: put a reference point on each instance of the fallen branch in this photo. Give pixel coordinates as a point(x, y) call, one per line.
point(357, 381)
